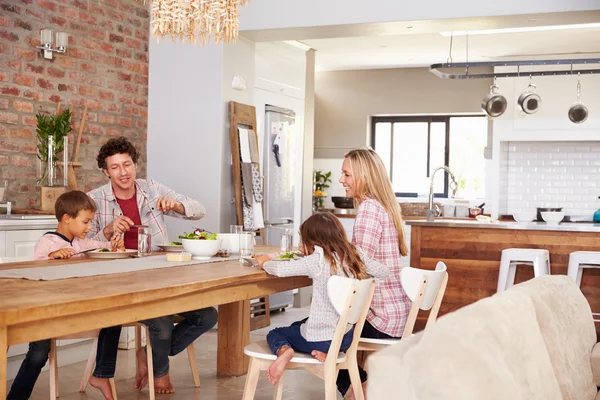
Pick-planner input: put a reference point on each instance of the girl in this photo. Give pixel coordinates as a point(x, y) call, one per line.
point(378, 231)
point(328, 253)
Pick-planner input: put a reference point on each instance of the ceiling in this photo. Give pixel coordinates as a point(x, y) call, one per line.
point(419, 43)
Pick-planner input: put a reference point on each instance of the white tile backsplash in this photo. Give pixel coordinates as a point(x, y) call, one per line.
point(550, 174)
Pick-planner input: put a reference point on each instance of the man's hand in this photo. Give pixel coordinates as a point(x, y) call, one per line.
point(262, 259)
point(62, 253)
point(117, 242)
point(166, 204)
point(119, 225)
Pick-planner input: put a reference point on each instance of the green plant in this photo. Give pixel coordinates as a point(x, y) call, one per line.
point(321, 182)
point(55, 126)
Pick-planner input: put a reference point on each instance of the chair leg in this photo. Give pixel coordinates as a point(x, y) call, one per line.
point(151, 393)
point(352, 365)
point(503, 274)
point(330, 378)
point(113, 389)
point(191, 351)
point(53, 370)
point(278, 394)
point(251, 379)
point(89, 367)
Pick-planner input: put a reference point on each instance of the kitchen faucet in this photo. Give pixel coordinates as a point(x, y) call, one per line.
point(431, 212)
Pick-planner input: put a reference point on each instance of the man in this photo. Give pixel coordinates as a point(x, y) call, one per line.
point(122, 204)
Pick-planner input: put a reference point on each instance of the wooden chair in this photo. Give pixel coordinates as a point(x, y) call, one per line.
point(351, 298)
point(426, 289)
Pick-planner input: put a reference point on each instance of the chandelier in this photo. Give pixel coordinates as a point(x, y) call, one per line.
point(196, 21)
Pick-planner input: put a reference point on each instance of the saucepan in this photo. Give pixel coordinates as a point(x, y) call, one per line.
point(578, 112)
point(530, 101)
point(494, 104)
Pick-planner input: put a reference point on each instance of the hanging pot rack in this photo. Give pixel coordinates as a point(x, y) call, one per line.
point(435, 68)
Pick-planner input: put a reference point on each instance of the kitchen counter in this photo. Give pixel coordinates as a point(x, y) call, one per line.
point(48, 222)
point(535, 226)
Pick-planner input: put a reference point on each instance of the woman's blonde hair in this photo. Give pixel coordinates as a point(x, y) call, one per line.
point(371, 180)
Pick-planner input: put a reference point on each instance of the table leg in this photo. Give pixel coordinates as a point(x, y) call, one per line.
point(233, 335)
point(3, 361)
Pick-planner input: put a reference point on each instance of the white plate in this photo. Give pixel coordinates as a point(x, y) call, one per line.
point(250, 260)
point(112, 254)
point(171, 247)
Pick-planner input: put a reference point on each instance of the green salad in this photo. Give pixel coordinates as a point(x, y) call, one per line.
point(175, 243)
point(286, 256)
point(105, 250)
point(199, 234)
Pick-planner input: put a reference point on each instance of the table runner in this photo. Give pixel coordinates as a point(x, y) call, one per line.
point(116, 266)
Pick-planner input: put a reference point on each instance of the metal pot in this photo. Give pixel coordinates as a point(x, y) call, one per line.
point(530, 101)
point(494, 104)
point(342, 202)
point(578, 112)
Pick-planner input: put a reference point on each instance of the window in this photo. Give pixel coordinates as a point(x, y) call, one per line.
point(412, 147)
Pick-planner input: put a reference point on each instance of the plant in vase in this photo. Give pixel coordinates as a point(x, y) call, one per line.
point(321, 182)
point(52, 133)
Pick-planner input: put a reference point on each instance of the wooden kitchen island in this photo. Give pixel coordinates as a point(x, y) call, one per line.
point(472, 251)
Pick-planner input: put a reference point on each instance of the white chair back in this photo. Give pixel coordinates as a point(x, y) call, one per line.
point(412, 278)
point(4, 260)
point(339, 288)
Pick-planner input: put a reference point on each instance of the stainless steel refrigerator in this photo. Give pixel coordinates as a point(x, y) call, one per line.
point(280, 162)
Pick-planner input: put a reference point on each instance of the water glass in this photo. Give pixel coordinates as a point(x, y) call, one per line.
point(285, 243)
point(236, 228)
point(246, 244)
point(144, 241)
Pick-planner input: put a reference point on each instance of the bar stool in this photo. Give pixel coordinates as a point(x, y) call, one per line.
point(539, 259)
point(578, 261)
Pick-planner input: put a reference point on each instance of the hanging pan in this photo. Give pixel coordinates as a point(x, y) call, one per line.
point(578, 112)
point(494, 104)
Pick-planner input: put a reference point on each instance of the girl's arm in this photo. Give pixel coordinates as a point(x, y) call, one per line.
point(307, 266)
point(374, 268)
point(367, 230)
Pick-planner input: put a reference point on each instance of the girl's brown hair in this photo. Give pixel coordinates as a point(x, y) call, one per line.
point(372, 181)
point(326, 231)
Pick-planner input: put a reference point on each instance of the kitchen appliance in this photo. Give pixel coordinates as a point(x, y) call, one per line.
point(540, 210)
point(280, 163)
point(342, 202)
point(530, 102)
point(494, 104)
point(597, 214)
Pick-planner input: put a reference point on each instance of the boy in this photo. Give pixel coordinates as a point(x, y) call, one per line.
point(75, 211)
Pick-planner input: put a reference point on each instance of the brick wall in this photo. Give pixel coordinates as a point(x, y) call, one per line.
point(105, 68)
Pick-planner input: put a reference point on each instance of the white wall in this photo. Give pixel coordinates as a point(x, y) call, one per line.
point(273, 14)
point(185, 126)
point(571, 142)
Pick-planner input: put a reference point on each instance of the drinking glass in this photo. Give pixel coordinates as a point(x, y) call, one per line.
point(144, 241)
point(246, 244)
point(236, 228)
point(285, 243)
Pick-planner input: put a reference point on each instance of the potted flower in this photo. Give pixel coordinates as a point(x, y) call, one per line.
point(321, 183)
point(52, 133)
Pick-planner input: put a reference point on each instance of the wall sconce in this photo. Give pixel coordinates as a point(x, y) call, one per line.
point(61, 42)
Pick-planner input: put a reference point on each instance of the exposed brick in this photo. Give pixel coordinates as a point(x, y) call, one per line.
point(134, 44)
point(3, 104)
point(141, 34)
point(87, 91)
point(11, 8)
point(36, 69)
point(77, 103)
point(23, 106)
point(30, 94)
point(126, 122)
point(48, 5)
point(142, 102)
point(142, 12)
point(24, 80)
point(76, 76)
point(81, 4)
point(98, 33)
point(124, 53)
point(45, 83)
point(113, 132)
point(29, 120)
point(5, 21)
point(8, 117)
point(14, 64)
point(25, 54)
point(79, 53)
point(111, 36)
point(126, 99)
point(89, 43)
point(94, 9)
point(125, 30)
point(68, 12)
point(66, 62)
point(33, 41)
point(3, 76)
point(8, 146)
point(96, 80)
point(113, 108)
point(22, 161)
point(34, 13)
point(3, 130)
point(115, 62)
point(29, 149)
point(56, 72)
point(23, 25)
point(130, 89)
point(95, 129)
point(124, 77)
point(98, 57)
point(78, 27)
point(10, 36)
point(104, 95)
point(135, 22)
point(131, 110)
point(58, 21)
point(87, 67)
point(55, 98)
point(144, 113)
point(140, 80)
point(24, 133)
point(107, 25)
point(140, 124)
point(87, 18)
point(92, 117)
point(94, 104)
point(4, 48)
point(126, 7)
point(3, 160)
point(107, 119)
point(62, 87)
point(107, 48)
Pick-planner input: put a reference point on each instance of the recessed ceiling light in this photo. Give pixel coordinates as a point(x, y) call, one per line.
point(409, 27)
point(520, 30)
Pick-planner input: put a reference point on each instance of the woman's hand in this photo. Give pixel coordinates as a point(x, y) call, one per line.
point(262, 259)
point(62, 253)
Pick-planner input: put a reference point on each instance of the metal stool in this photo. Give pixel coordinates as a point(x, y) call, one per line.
point(578, 260)
point(539, 259)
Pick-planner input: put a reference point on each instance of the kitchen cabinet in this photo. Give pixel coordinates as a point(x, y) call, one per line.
point(21, 243)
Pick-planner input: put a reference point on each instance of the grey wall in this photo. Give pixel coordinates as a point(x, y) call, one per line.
point(345, 101)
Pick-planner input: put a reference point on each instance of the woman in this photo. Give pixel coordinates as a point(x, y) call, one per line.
point(379, 232)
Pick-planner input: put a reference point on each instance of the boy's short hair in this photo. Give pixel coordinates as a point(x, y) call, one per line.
point(70, 203)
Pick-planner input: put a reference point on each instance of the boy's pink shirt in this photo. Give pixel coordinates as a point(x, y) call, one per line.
point(51, 242)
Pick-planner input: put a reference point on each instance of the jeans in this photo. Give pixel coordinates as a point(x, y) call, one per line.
point(168, 341)
point(32, 365)
point(290, 336)
point(106, 354)
point(343, 379)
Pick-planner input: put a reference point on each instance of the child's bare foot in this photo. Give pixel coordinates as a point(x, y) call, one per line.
point(319, 355)
point(275, 371)
point(163, 385)
point(141, 376)
point(103, 385)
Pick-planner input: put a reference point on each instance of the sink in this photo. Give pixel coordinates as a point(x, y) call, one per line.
point(25, 216)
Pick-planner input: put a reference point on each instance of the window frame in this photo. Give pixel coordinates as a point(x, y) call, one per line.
point(419, 118)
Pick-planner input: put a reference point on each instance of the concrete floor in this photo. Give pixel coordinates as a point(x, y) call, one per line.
point(299, 384)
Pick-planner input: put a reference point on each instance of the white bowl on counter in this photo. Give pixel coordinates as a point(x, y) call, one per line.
point(201, 249)
point(231, 242)
point(553, 217)
point(524, 217)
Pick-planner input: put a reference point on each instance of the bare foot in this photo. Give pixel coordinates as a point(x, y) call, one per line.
point(163, 385)
point(141, 376)
point(319, 355)
point(275, 370)
point(103, 385)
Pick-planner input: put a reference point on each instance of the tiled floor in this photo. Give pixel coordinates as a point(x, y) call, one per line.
point(299, 384)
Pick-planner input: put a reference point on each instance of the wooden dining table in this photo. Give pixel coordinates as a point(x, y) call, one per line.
point(35, 310)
